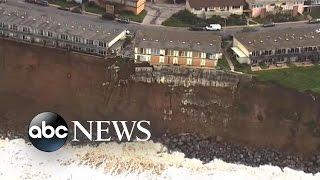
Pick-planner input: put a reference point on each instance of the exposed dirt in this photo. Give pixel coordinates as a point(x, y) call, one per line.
point(35, 79)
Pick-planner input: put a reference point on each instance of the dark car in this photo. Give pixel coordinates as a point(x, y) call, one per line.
point(123, 20)
point(196, 28)
point(43, 3)
point(269, 24)
point(314, 21)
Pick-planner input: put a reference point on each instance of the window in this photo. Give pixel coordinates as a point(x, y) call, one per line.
point(203, 62)
point(64, 37)
point(89, 41)
point(175, 60)
point(26, 29)
point(1, 24)
point(189, 54)
point(176, 53)
point(13, 27)
point(235, 7)
point(50, 34)
point(189, 61)
point(102, 44)
point(203, 55)
point(155, 51)
point(161, 59)
point(76, 39)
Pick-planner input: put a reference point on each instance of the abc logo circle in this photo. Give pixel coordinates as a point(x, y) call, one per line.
point(48, 131)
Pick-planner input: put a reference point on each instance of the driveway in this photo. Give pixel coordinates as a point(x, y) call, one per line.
point(158, 12)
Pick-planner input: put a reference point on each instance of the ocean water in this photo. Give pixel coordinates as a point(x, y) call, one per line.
point(135, 160)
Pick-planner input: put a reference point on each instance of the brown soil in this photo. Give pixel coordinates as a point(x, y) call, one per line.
point(35, 79)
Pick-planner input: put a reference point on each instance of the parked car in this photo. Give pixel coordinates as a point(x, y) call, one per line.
point(314, 21)
point(196, 28)
point(268, 24)
point(123, 20)
point(214, 27)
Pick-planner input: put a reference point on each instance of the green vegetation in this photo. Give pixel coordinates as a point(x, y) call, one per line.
point(223, 64)
point(315, 13)
point(186, 19)
point(132, 17)
point(93, 8)
point(63, 3)
point(280, 17)
point(300, 78)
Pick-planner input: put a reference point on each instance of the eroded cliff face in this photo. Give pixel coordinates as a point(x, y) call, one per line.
point(35, 79)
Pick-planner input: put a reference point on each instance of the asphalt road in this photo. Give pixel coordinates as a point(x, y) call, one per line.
point(135, 26)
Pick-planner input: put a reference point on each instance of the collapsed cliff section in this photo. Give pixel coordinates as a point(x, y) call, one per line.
point(81, 87)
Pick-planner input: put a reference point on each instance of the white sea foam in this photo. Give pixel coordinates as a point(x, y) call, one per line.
point(20, 160)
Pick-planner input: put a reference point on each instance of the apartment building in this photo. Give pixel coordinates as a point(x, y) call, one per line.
point(277, 47)
point(134, 6)
point(185, 48)
point(265, 7)
point(208, 8)
point(58, 31)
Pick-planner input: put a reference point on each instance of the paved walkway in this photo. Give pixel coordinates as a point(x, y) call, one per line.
point(158, 12)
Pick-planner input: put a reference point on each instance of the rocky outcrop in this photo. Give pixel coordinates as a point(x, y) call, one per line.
point(182, 76)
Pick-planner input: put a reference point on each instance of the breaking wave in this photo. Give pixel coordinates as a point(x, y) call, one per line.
point(143, 160)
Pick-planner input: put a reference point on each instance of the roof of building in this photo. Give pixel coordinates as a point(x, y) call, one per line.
point(215, 3)
point(280, 39)
point(58, 23)
point(178, 40)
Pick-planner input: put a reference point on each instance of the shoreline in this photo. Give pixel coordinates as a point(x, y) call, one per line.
point(209, 149)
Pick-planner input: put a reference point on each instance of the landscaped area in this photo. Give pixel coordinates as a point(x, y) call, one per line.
point(186, 19)
point(93, 8)
point(132, 17)
point(280, 17)
point(300, 78)
point(223, 64)
point(63, 3)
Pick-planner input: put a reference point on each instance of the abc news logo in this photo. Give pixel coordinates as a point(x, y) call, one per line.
point(48, 131)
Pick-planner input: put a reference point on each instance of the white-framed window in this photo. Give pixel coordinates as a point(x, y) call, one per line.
point(148, 51)
point(203, 55)
point(189, 54)
point(175, 60)
point(203, 62)
point(189, 61)
point(161, 59)
point(176, 53)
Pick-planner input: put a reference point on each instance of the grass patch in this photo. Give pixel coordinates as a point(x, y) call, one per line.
point(63, 3)
point(185, 18)
point(93, 8)
point(300, 78)
point(223, 64)
point(132, 17)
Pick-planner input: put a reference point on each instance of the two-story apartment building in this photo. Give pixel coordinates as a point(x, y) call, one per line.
point(134, 6)
point(276, 47)
point(58, 31)
point(265, 7)
point(208, 8)
point(185, 48)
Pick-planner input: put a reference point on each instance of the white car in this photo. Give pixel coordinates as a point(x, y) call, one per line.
point(214, 27)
